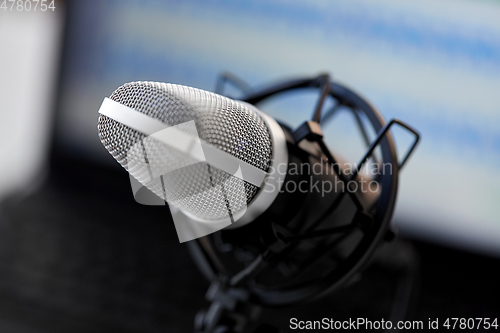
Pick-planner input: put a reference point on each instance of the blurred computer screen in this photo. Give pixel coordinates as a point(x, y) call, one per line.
point(434, 64)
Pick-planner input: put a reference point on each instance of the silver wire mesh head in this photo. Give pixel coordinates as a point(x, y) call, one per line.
point(195, 187)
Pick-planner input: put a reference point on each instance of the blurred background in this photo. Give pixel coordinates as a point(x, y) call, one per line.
point(78, 254)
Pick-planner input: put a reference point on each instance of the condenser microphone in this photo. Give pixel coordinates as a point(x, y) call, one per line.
point(282, 219)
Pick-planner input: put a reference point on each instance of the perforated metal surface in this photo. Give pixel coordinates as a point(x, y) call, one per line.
point(196, 188)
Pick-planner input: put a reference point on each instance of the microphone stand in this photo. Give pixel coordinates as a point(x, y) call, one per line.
point(231, 310)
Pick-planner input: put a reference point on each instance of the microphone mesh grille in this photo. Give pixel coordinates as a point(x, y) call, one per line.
point(198, 188)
